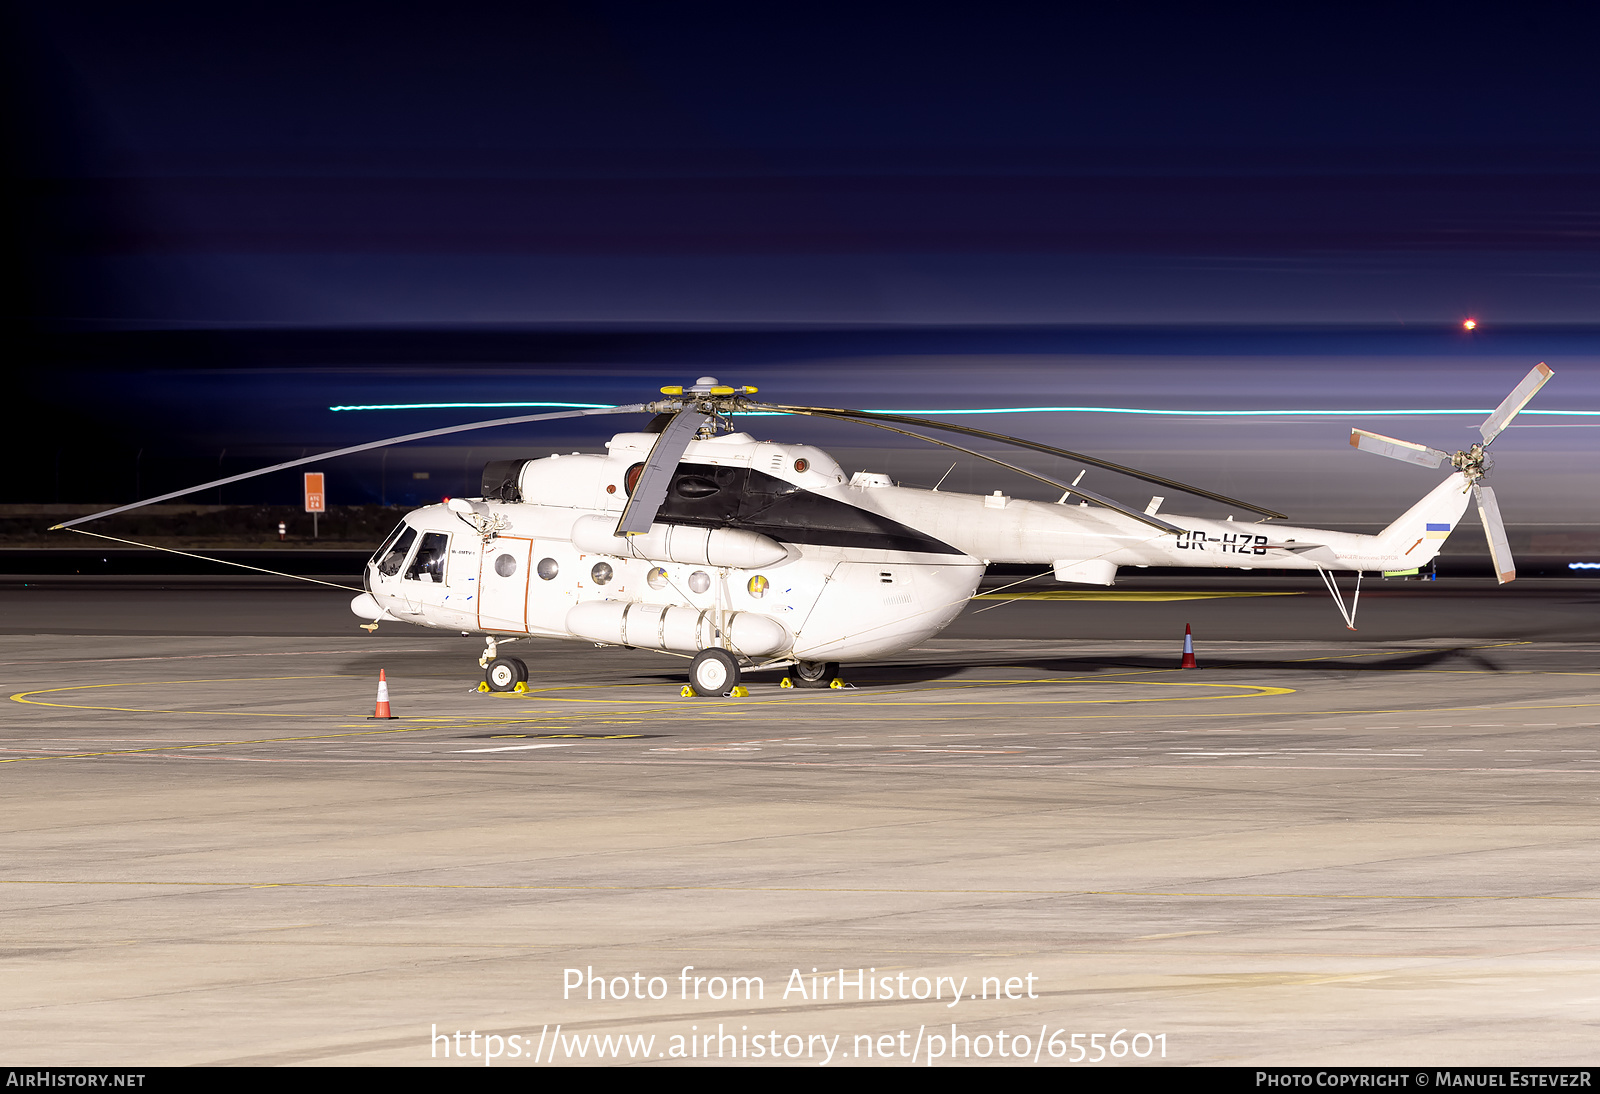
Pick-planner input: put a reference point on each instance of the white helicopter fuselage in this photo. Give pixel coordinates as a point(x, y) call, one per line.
point(829, 583)
point(1087, 545)
point(768, 551)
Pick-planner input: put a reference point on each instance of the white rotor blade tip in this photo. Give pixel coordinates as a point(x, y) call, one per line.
point(1537, 377)
point(1404, 451)
point(1494, 529)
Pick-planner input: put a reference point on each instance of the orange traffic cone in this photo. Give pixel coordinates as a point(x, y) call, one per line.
point(383, 698)
point(1188, 649)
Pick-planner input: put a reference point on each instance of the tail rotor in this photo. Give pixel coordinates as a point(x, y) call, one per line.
point(1472, 463)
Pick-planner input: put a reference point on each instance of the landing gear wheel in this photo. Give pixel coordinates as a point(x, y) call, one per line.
point(813, 674)
point(713, 672)
point(505, 673)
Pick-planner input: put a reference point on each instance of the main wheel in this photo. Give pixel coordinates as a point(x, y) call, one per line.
point(505, 673)
point(713, 672)
point(813, 674)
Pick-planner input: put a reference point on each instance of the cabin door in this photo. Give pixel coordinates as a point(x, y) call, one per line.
point(503, 584)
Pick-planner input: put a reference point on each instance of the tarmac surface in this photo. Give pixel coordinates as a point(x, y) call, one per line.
point(1332, 849)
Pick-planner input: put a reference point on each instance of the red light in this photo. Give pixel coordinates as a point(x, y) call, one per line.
point(1469, 324)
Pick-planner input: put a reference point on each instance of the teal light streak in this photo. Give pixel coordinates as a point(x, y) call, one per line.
point(1027, 410)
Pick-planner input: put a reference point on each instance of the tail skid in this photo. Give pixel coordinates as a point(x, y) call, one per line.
point(1410, 542)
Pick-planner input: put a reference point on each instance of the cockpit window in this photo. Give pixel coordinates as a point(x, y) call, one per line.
point(383, 551)
point(429, 563)
point(390, 561)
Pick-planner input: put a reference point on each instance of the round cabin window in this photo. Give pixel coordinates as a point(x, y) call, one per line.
point(699, 581)
point(505, 565)
point(601, 573)
point(548, 568)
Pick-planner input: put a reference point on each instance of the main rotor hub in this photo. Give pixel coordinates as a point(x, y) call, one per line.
point(1473, 462)
point(707, 395)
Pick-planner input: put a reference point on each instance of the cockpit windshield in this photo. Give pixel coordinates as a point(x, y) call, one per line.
point(392, 555)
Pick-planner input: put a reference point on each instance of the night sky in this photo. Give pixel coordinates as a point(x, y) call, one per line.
point(226, 218)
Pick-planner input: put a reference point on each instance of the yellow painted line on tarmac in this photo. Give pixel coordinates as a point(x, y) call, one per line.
point(433, 722)
point(1129, 595)
point(809, 701)
point(1222, 691)
point(27, 696)
point(836, 698)
point(425, 886)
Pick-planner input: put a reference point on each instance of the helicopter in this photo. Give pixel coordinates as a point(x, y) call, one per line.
point(694, 539)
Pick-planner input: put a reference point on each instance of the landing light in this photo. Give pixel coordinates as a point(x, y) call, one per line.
point(1469, 324)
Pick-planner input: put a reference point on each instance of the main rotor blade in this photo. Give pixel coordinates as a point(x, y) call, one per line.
point(1145, 518)
point(1494, 529)
point(650, 492)
point(632, 408)
point(1404, 451)
point(1017, 442)
point(1531, 383)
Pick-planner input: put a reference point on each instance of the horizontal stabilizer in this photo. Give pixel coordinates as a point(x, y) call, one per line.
point(1316, 552)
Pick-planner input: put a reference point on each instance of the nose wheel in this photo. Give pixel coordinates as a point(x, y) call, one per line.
point(505, 673)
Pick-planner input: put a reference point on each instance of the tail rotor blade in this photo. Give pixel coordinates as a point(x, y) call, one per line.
point(1531, 383)
point(1404, 451)
point(650, 492)
point(1505, 569)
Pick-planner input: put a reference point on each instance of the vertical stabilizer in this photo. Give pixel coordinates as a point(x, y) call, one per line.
point(1419, 534)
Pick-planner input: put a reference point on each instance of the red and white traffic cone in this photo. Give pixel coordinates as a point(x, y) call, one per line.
point(1188, 649)
point(383, 698)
